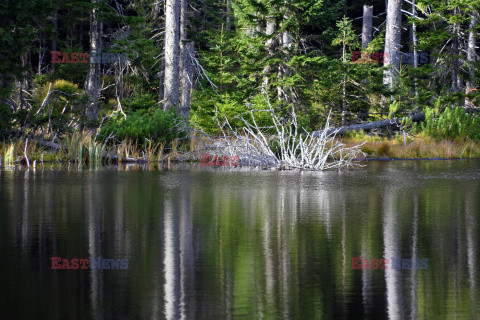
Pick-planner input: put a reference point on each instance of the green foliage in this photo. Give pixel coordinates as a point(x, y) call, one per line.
point(159, 126)
point(139, 102)
point(393, 109)
point(452, 123)
point(345, 36)
point(65, 87)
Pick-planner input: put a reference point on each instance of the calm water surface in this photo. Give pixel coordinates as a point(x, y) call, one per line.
point(206, 243)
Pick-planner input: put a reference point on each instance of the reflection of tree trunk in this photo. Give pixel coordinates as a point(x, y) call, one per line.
point(391, 242)
point(121, 231)
point(284, 254)
point(413, 271)
point(367, 292)
point(187, 259)
point(270, 291)
point(472, 243)
point(171, 263)
point(344, 257)
point(94, 250)
point(26, 213)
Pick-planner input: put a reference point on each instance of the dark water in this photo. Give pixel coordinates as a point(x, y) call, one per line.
point(217, 244)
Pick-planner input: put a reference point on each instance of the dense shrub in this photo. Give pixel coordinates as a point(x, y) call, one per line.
point(159, 126)
point(139, 102)
point(453, 123)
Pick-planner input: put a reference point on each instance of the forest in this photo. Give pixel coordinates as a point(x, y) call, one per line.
point(145, 79)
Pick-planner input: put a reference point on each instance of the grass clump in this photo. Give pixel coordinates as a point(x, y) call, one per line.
point(159, 127)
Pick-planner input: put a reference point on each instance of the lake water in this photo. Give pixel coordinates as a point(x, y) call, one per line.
point(206, 243)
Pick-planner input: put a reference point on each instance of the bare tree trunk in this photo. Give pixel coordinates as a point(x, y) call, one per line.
point(161, 85)
point(455, 53)
point(393, 41)
point(172, 54)
point(186, 49)
point(54, 41)
point(471, 53)
point(284, 70)
point(414, 43)
point(21, 82)
point(92, 87)
point(187, 80)
point(228, 19)
point(344, 83)
point(367, 25)
point(270, 45)
point(41, 52)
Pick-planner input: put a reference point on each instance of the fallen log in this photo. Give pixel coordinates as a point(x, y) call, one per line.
point(419, 117)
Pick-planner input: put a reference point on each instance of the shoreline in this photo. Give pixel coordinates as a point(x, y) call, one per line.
point(374, 148)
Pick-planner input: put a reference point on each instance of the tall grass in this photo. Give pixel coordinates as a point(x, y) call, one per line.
point(8, 152)
point(83, 148)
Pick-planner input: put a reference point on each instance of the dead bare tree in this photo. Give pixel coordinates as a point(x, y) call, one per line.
point(393, 36)
point(172, 54)
point(367, 25)
point(285, 145)
point(471, 55)
point(92, 87)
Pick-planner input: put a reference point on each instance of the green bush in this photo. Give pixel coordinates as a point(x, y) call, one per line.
point(139, 102)
point(453, 123)
point(160, 126)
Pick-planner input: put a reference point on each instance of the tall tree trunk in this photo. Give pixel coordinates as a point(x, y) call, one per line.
point(172, 54)
point(471, 53)
point(228, 19)
point(161, 85)
point(414, 44)
point(284, 70)
point(55, 35)
point(367, 25)
point(41, 52)
point(270, 45)
point(93, 78)
point(455, 53)
point(186, 50)
point(187, 80)
point(393, 37)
